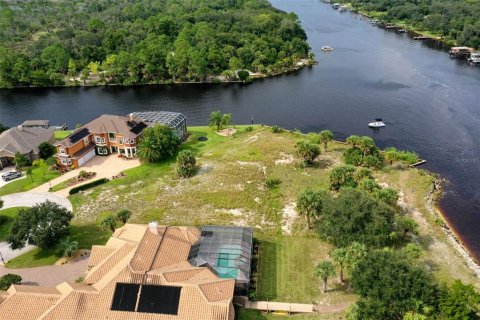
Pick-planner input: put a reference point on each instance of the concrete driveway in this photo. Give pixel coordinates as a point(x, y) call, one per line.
point(8, 169)
point(104, 167)
point(51, 275)
point(29, 199)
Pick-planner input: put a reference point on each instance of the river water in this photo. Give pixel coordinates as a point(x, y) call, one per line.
point(431, 104)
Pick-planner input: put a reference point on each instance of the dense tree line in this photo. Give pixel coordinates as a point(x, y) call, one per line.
point(457, 20)
point(131, 41)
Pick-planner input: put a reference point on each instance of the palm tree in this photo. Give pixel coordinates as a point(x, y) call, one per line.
point(326, 136)
point(124, 215)
point(339, 255)
point(109, 223)
point(353, 140)
point(355, 253)
point(216, 119)
point(366, 144)
point(391, 155)
point(68, 246)
point(226, 119)
point(147, 149)
point(310, 203)
point(325, 270)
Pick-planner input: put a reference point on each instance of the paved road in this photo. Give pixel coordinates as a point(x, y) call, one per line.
point(28, 199)
point(51, 275)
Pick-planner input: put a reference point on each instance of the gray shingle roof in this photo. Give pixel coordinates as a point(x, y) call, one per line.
point(23, 140)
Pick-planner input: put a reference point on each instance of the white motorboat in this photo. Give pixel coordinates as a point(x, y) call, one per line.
point(474, 58)
point(378, 123)
point(327, 48)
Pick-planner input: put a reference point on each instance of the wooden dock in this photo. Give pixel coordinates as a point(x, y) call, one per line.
point(280, 307)
point(416, 164)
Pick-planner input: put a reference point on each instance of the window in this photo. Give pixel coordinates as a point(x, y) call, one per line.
point(132, 141)
point(85, 141)
point(64, 161)
point(69, 161)
point(99, 140)
point(112, 136)
point(120, 140)
point(62, 150)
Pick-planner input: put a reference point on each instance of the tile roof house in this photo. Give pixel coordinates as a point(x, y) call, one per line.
point(104, 135)
point(141, 273)
point(23, 140)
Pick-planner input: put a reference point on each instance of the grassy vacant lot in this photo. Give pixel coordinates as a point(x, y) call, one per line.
point(38, 178)
point(61, 134)
point(229, 189)
point(9, 215)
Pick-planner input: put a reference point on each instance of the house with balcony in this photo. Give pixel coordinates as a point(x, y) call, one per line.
point(104, 135)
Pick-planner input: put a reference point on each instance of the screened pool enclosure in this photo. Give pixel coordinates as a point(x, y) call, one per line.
point(174, 120)
point(227, 251)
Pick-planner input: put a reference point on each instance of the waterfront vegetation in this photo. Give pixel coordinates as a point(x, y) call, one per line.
point(457, 22)
point(156, 41)
point(254, 178)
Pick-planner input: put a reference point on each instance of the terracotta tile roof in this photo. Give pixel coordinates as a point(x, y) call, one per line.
point(98, 254)
point(135, 255)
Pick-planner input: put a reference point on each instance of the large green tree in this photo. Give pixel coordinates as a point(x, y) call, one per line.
point(356, 216)
point(157, 143)
point(459, 302)
point(389, 286)
point(42, 225)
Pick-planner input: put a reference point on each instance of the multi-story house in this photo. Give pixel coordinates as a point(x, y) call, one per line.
point(104, 135)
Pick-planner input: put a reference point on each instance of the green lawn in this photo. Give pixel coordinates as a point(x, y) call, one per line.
point(21, 185)
point(86, 235)
point(61, 185)
point(62, 134)
point(9, 215)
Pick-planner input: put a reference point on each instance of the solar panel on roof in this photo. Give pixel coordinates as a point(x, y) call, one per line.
point(77, 136)
point(125, 297)
point(138, 128)
point(159, 299)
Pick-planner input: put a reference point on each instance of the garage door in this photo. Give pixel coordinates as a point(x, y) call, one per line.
point(89, 155)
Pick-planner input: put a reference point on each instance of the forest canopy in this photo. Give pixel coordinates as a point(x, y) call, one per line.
point(45, 43)
point(455, 20)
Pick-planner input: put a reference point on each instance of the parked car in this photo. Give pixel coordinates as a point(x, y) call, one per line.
point(11, 175)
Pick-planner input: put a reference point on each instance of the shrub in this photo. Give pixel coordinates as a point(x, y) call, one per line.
point(272, 183)
point(276, 129)
point(342, 176)
point(353, 156)
point(249, 129)
point(87, 186)
point(308, 151)
point(186, 163)
point(7, 280)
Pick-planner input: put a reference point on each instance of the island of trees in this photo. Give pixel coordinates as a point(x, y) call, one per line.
point(456, 21)
point(78, 42)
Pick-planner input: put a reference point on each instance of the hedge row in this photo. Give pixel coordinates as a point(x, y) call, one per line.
point(88, 186)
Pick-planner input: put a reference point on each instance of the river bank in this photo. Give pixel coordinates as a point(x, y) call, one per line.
point(432, 199)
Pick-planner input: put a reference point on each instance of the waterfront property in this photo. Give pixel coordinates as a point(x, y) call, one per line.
point(104, 135)
point(227, 251)
point(174, 120)
point(113, 134)
point(141, 273)
point(24, 140)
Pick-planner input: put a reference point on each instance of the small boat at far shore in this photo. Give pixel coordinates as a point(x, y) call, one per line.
point(378, 123)
point(327, 48)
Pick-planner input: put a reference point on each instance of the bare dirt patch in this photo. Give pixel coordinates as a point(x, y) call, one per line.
point(289, 214)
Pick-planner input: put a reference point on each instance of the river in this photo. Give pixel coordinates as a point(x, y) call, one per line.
point(431, 104)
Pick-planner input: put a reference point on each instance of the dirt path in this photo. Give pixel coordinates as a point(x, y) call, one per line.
point(51, 275)
point(334, 308)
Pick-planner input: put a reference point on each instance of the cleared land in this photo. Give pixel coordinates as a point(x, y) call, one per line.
point(230, 189)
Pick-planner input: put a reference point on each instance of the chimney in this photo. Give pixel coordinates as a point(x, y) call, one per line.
point(130, 116)
point(20, 127)
point(153, 227)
